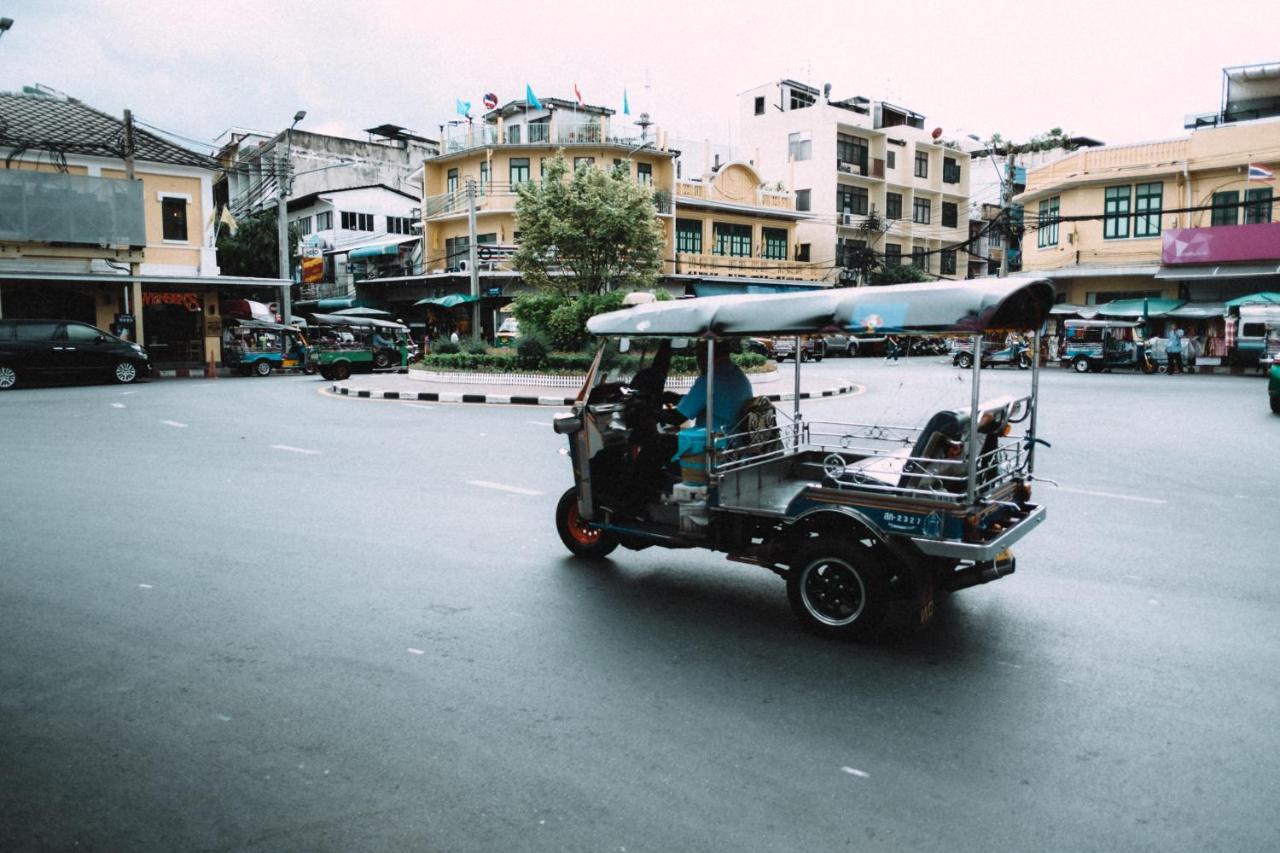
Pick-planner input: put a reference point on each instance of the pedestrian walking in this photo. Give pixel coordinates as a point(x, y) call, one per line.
point(1191, 350)
point(1173, 351)
point(891, 349)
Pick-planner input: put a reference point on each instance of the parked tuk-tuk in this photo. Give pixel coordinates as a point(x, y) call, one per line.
point(1099, 345)
point(861, 519)
point(1012, 352)
point(258, 347)
point(344, 345)
point(1253, 325)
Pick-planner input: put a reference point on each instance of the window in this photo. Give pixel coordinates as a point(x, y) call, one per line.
point(919, 259)
point(357, 221)
point(732, 240)
point(950, 215)
point(800, 100)
point(399, 225)
point(847, 251)
point(893, 205)
point(450, 188)
point(583, 163)
point(921, 211)
point(619, 166)
point(486, 176)
point(1147, 204)
point(948, 262)
point(542, 167)
point(775, 243)
point(304, 225)
point(173, 212)
point(799, 145)
point(689, 236)
point(802, 252)
point(518, 170)
point(802, 200)
point(35, 331)
point(1257, 206)
point(644, 173)
point(950, 170)
point(1047, 235)
point(1115, 210)
point(81, 332)
point(852, 149)
point(324, 220)
point(922, 164)
point(513, 134)
point(852, 200)
point(760, 105)
point(891, 159)
point(1226, 207)
point(892, 254)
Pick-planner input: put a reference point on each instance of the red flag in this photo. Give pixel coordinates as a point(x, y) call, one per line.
point(578, 95)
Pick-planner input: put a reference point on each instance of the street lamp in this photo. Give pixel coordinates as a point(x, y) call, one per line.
point(5, 24)
point(282, 221)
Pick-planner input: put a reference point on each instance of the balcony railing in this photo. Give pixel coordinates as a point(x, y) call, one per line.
point(725, 265)
point(490, 198)
point(556, 132)
point(43, 207)
point(775, 199)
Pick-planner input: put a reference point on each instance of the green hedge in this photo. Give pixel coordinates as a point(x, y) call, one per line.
point(566, 363)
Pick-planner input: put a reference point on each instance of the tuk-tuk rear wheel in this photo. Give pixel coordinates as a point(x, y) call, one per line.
point(1081, 364)
point(581, 539)
point(341, 371)
point(838, 589)
point(262, 367)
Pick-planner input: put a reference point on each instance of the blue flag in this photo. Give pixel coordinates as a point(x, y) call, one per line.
point(626, 106)
point(531, 100)
point(464, 107)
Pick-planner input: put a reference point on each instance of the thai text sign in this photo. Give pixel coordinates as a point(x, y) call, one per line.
point(1221, 244)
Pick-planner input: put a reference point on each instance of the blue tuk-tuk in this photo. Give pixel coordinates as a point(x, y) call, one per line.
point(257, 347)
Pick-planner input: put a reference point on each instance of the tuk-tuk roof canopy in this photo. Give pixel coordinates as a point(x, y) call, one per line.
point(260, 324)
point(351, 320)
point(940, 308)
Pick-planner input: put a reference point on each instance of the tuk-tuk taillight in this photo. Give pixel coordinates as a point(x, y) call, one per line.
point(1022, 491)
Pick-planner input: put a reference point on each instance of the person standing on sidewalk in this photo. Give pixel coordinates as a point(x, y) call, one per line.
point(1173, 350)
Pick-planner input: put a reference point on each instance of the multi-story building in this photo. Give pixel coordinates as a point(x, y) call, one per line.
point(79, 240)
point(869, 172)
point(1176, 218)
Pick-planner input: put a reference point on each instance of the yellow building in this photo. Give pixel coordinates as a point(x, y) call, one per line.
point(1115, 222)
point(79, 241)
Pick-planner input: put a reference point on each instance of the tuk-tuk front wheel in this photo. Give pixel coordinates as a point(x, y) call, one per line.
point(838, 590)
point(579, 537)
point(341, 371)
point(381, 360)
point(1081, 364)
point(262, 367)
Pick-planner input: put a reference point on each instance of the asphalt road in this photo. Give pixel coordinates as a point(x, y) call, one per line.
point(240, 615)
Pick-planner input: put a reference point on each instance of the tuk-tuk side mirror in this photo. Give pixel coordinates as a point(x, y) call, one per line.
point(624, 344)
point(566, 424)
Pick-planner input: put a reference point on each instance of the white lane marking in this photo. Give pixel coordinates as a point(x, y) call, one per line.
point(1010, 665)
point(539, 423)
point(416, 652)
point(145, 586)
point(1098, 494)
point(853, 771)
point(295, 449)
point(178, 424)
point(127, 393)
point(1135, 577)
point(117, 405)
point(419, 406)
point(515, 490)
point(223, 717)
point(1154, 602)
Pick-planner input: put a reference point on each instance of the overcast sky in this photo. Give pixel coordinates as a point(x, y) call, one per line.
point(1118, 70)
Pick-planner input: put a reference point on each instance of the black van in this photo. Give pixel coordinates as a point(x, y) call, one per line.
point(33, 348)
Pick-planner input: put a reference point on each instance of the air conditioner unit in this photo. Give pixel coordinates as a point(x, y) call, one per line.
point(847, 219)
point(851, 168)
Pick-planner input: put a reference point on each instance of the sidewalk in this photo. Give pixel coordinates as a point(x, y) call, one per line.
point(776, 386)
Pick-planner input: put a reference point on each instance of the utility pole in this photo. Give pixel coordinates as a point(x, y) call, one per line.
point(473, 265)
point(1006, 207)
point(134, 287)
point(282, 234)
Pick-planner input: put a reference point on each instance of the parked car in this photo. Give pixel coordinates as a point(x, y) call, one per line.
point(48, 348)
point(812, 348)
point(844, 343)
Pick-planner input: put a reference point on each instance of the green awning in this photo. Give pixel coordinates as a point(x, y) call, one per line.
point(1267, 298)
point(1151, 307)
point(384, 250)
point(449, 301)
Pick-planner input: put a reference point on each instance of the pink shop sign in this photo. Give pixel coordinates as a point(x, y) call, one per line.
point(1221, 244)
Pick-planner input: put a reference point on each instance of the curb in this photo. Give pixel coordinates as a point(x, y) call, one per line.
point(228, 373)
point(531, 400)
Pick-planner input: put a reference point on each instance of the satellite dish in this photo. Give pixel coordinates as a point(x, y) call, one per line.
point(937, 131)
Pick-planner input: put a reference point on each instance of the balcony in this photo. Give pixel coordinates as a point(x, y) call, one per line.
point(725, 265)
point(870, 168)
point(489, 200)
point(43, 207)
point(555, 132)
point(771, 199)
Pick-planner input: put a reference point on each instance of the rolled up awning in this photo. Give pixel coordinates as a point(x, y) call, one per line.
point(1199, 311)
point(384, 250)
point(1150, 307)
point(453, 299)
point(1268, 298)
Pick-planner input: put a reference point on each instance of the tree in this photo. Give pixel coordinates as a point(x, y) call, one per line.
point(254, 249)
point(600, 226)
point(898, 274)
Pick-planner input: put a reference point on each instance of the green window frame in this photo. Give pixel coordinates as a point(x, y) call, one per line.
point(1148, 203)
point(1257, 206)
point(775, 243)
point(1115, 213)
point(731, 239)
point(852, 149)
point(518, 170)
point(893, 205)
point(950, 214)
point(644, 173)
point(852, 200)
point(1047, 235)
point(1226, 208)
point(486, 177)
point(892, 254)
point(689, 236)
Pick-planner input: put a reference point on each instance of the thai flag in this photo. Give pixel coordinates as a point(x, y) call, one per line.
point(490, 101)
point(1259, 173)
point(578, 95)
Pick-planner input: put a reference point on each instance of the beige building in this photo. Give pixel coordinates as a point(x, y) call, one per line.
point(1112, 222)
point(79, 241)
point(871, 174)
